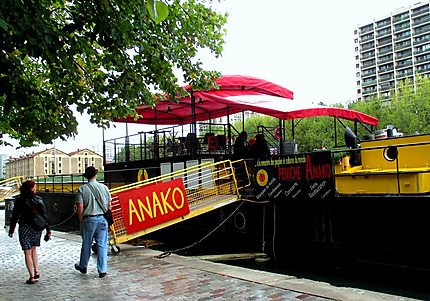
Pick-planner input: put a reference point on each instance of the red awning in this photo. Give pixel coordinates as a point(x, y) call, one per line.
point(237, 93)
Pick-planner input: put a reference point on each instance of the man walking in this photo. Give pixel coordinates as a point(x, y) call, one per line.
point(89, 201)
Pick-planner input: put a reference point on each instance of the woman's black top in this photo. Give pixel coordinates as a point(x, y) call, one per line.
point(23, 214)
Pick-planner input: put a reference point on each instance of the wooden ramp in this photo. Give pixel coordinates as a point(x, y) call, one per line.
point(208, 186)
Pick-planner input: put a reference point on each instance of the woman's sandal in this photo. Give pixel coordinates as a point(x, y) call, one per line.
point(36, 275)
point(30, 281)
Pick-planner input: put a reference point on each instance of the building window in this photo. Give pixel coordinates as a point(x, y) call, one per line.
point(92, 159)
point(79, 158)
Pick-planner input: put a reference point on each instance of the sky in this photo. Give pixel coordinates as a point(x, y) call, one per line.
point(305, 46)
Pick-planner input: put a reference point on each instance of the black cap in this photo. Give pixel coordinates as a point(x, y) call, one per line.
point(90, 172)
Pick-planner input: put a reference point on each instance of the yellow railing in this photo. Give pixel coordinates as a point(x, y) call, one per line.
point(208, 186)
point(10, 187)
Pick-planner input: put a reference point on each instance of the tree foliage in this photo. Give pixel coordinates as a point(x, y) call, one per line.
point(103, 57)
point(408, 110)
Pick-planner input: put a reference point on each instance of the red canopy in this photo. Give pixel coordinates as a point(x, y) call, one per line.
point(236, 93)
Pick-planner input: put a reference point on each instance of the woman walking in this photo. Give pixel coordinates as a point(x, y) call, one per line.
point(26, 208)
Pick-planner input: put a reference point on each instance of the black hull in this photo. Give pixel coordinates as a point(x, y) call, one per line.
point(337, 232)
point(348, 230)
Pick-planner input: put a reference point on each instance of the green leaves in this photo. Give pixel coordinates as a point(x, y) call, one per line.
point(98, 57)
point(157, 10)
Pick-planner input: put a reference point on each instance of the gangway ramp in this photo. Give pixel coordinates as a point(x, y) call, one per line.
point(147, 206)
point(10, 187)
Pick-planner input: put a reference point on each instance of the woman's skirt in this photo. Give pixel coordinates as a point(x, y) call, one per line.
point(28, 237)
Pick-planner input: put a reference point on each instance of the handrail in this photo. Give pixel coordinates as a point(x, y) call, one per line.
point(10, 187)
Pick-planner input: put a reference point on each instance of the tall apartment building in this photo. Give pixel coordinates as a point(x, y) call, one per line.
point(392, 49)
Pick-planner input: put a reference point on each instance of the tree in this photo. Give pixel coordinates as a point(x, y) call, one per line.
point(407, 110)
point(103, 57)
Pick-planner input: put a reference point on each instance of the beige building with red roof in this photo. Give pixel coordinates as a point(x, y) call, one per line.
point(53, 161)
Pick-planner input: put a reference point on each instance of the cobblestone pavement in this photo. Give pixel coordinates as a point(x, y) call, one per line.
point(135, 274)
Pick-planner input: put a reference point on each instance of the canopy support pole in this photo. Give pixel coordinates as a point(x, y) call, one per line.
point(127, 145)
point(281, 137)
point(335, 131)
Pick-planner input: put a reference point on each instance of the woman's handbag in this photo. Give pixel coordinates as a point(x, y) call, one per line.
point(106, 213)
point(39, 221)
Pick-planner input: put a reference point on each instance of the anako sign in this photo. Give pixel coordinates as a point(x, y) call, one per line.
point(153, 204)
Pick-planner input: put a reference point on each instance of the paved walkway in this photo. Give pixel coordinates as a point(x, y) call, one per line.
point(135, 274)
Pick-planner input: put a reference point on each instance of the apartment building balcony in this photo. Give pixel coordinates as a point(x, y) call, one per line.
point(367, 83)
point(386, 77)
point(383, 23)
point(402, 45)
point(405, 73)
point(383, 33)
point(367, 46)
point(366, 38)
point(385, 68)
point(422, 59)
point(423, 69)
point(366, 29)
point(402, 36)
point(404, 64)
point(401, 17)
point(421, 21)
point(422, 29)
point(422, 40)
point(367, 55)
point(383, 41)
point(422, 49)
point(368, 64)
point(386, 49)
point(370, 90)
point(385, 59)
point(368, 73)
point(387, 86)
point(403, 54)
point(402, 26)
point(420, 10)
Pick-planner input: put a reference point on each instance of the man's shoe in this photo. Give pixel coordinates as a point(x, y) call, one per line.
point(101, 275)
point(80, 269)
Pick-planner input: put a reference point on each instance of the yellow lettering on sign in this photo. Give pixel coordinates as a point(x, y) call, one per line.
point(164, 200)
point(156, 203)
point(181, 197)
point(132, 210)
point(148, 208)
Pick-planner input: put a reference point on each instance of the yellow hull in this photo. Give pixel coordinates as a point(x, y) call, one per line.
point(408, 174)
